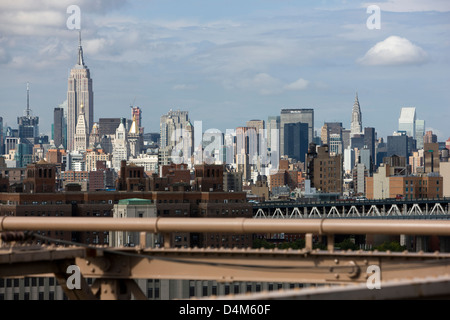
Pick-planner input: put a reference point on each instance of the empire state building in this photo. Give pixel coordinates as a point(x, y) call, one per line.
point(79, 93)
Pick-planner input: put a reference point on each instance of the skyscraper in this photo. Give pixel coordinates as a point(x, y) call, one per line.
point(407, 121)
point(273, 124)
point(356, 124)
point(294, 116)
point(177, 137)
point(59, 127)
point(79, 93)
point(369, 142)
point(296, 140)
point(420, 133)
point(169, 124)
point(28, 124)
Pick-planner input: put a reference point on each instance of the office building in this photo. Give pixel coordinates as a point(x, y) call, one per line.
point(324, 170)
point(430, 137)
point(59, 128)
point(407, 121)
point(273, 129)
point(356, 123)
point(79, 93)
point(295, 116)
point(397, 145)
point(296, 140)
point(420, 133)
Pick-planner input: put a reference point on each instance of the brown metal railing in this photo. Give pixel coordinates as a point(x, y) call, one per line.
point(232, 225)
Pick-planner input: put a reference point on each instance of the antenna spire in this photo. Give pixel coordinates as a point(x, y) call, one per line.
point(80, 51)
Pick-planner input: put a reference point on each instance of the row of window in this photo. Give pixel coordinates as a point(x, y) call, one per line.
point(237, 288)
point(26, 296)
point(420, 189)
point(27, 281)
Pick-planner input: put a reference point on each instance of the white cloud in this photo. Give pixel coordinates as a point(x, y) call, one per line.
point(300, 84)
point(394, 51)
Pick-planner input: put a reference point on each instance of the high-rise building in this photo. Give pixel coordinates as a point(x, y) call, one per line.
point(349, 160)
point(330, 128)
point(369, 142)
point(108, 126)
point(294, 116)
point(397, 145)
point(259, 125)
point(356, 123)
point(169, 124)
point(177, 137)
point(335, 144)
point(430, 137)
point(79, 93)
point(273, 133)
point(28, 124)
point(296, 140)
point(323, 170)
point(121, 149)
point(135, 139)
point(431, 157)
point(94, 136)
point(420, 132)
point(59, 127)
point(407, 121)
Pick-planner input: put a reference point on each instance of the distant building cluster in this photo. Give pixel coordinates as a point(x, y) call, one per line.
point(281, 158)
point(112, 168)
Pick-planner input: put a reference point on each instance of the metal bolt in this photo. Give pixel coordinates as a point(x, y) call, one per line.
point(336, 276)
point(336, 261)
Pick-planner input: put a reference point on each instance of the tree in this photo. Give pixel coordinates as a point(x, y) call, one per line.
point(391, 246)
point(346, 245)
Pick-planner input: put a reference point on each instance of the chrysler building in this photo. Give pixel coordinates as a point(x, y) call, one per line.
point(356, 124)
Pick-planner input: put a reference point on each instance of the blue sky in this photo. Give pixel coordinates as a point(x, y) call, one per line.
point(227, 62)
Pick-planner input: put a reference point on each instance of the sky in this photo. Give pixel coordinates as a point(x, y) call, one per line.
point(227, 62)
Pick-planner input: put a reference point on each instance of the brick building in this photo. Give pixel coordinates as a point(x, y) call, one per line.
point(385, 185)
point(208, 177)
point(324, 170)
point(40, 178)
point(100, 204)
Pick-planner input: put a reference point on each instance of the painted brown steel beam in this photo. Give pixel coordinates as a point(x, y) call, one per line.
point(426, 288)
point(227, 265)
point(231, 225)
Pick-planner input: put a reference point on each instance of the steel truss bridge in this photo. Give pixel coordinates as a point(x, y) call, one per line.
point(368, 209)
point(402, 274)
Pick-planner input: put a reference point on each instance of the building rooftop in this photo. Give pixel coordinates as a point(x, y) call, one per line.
point(135, 201)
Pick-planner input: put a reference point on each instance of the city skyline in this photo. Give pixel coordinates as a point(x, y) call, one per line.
point(229, 64)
